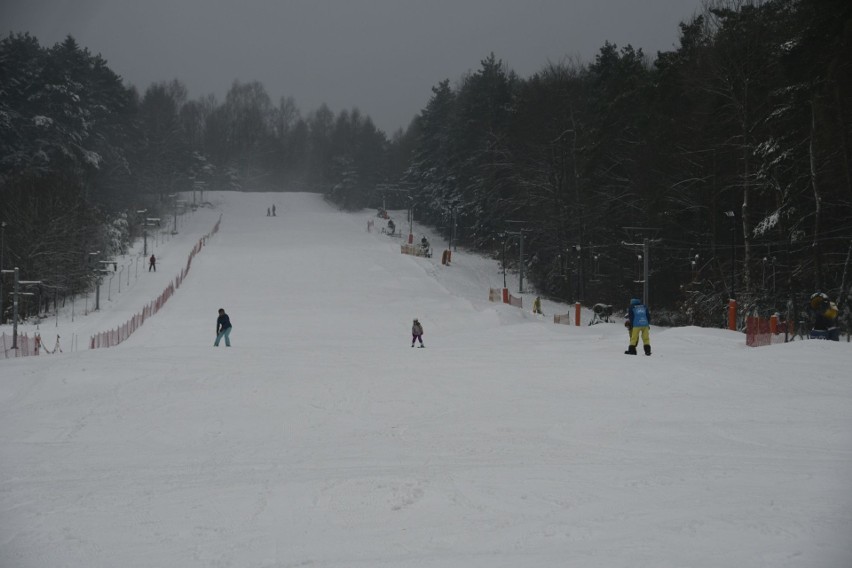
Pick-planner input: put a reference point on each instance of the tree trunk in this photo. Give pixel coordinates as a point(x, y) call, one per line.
point(817, 200)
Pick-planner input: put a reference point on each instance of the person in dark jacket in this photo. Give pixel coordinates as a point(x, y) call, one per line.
point(416, 333)
point(223, 328)
point(152, 263)
point(639, 323)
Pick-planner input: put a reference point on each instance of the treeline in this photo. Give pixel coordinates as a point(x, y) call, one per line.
point(730, 155)
point(81, 154)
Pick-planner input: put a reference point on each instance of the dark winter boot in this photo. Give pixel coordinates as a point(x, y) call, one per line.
point(647, 349)
point(631, 350)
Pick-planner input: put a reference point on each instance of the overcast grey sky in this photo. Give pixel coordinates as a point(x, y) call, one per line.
point(382, 56)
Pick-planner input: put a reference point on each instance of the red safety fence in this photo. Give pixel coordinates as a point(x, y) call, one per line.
point(26, 346)
point(764, 331)
point(115, 336)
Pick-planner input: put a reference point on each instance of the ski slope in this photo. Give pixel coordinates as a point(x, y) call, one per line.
point(320, 438)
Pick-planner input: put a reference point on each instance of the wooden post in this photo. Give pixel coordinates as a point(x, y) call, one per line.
point(577, 314)
point(505, 295)
point(732, 314)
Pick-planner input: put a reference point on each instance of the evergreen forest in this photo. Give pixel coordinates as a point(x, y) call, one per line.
point(722, 167)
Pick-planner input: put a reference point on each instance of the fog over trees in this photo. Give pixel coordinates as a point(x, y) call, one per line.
point(750, 115)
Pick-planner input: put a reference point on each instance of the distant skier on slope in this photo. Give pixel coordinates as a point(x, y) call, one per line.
point(416, 333)
point(638, 322)
point(223, 329)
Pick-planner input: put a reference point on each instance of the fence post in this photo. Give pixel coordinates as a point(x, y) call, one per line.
point(505, 295)
point(732, 314)
point(773, 324)
point(577, 314)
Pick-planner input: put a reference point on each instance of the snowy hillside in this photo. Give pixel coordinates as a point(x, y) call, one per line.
point(320, 438)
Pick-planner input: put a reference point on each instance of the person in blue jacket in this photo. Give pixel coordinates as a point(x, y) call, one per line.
point(223, 328)
point(638, 322)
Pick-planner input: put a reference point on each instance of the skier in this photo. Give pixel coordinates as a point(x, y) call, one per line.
point(273, 210)
point(223, 329)
point(416, 333)
point(152, 263)
point(391, 227)
point(638, 322)
point(424, 246)
point(537, 305)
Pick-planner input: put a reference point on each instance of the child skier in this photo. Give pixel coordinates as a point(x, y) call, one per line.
point(416, 333)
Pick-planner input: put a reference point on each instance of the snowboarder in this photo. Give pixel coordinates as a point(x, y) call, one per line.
point(391, 227)
point(537, 305)
point(416, 333)
point(223, 329)
point(152, 263)
point(638, 322)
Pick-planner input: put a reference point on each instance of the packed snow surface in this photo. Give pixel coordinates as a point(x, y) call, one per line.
point(320, 438)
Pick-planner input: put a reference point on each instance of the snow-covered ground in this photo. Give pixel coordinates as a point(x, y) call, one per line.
point(320, 438)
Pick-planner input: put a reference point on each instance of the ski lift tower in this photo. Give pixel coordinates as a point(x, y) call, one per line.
point(641, 238)
point(385, 188)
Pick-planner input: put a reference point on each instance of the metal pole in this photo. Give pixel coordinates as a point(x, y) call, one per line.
point(504, 262)
point(732, 216)
point(579, 275)
point(15, 312)
point(2, 248)
point(733, 258)
point(145, 240)
point(646, 253)
point(455, 224)
point(410, 221)
point(521, 268)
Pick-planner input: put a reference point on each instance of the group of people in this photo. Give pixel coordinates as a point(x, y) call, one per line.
point(638, 323)
point(270, 211)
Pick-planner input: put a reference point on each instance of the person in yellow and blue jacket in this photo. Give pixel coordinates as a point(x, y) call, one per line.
point(639, 323)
